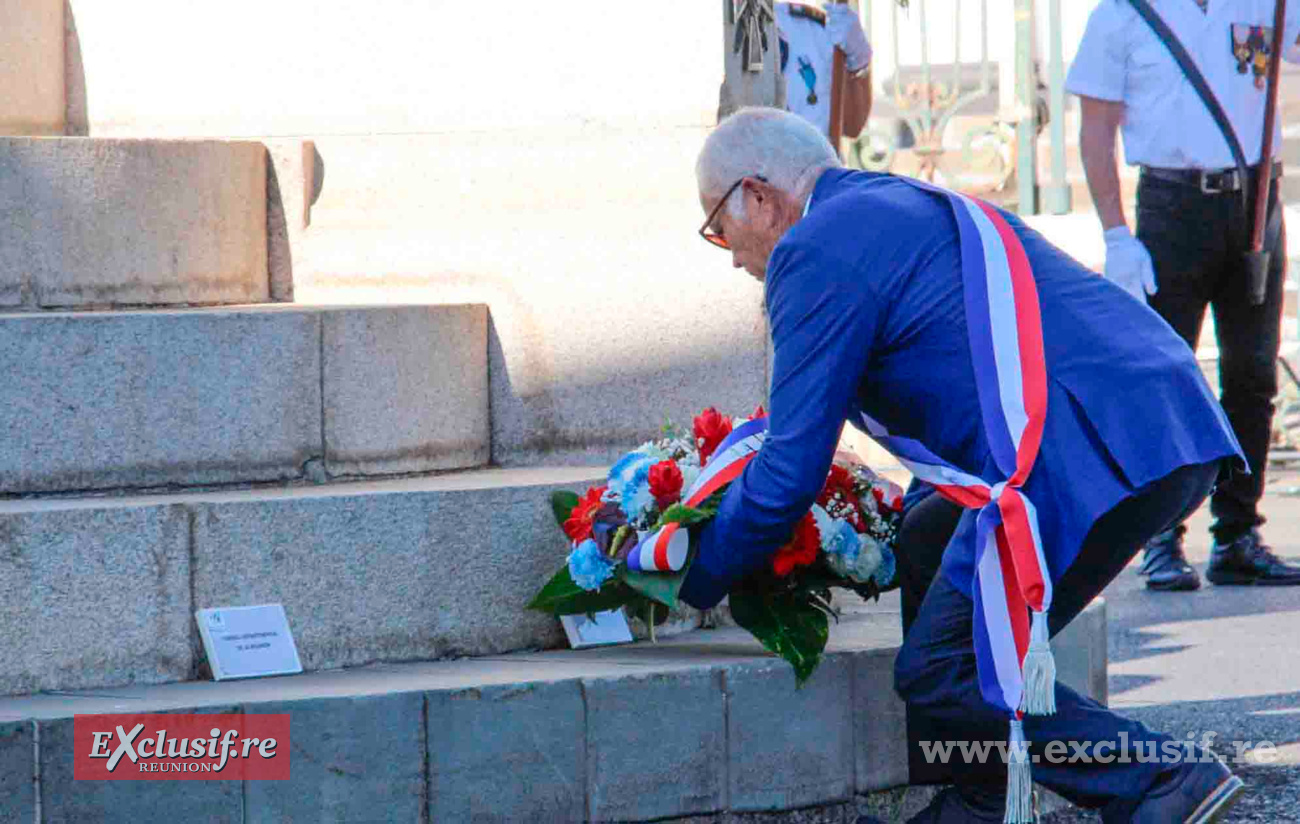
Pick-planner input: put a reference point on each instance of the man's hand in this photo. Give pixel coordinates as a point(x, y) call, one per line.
point(1128, 264)
point(845, 30)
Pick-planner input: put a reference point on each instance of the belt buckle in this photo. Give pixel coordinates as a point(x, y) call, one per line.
point(1206, 188)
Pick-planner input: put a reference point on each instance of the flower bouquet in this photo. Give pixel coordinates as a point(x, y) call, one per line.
point(630, 540)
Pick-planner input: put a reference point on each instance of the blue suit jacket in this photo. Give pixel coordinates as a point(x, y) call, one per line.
point(865, 301)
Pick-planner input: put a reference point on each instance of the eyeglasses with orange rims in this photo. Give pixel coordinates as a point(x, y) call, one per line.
point(717, 238)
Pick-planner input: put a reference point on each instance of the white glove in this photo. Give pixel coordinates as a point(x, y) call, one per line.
point(845, 30)
point(1128, 264)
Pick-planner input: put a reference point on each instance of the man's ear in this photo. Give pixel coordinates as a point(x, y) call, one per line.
point(757, 190)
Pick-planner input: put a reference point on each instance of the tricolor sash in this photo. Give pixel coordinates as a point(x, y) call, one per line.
point(1012, 581)
point(665, 550)
point(1011, 573)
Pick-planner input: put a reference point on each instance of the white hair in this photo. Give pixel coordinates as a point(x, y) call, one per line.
point(786, 150)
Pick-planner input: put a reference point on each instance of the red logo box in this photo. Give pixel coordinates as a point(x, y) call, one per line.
point(180, 747)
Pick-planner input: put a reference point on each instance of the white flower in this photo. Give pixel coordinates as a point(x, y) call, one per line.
point(655, 450)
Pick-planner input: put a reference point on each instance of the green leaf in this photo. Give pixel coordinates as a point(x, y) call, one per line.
point(792, 627)
point(561, 596)
point(684, 515)
point(657, 586)
point(560, 587)
point(562, 504)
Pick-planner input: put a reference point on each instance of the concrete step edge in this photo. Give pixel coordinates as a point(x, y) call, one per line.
point(110, 312)
point(576, 740)
point(581, 731)
point(460, 480)
point(874, 632)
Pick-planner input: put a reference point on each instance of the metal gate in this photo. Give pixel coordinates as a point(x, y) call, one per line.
point(941, 112)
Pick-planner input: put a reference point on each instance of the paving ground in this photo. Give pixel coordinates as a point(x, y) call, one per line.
point(1220, 660)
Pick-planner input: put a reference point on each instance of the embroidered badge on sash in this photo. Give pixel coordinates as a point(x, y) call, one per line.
point(809, 76)
point(1250, 48)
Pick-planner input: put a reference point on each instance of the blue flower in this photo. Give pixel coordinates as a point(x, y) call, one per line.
point(629, 479)
point(627, 467)
point(884, 574)
point(589, 567)
point(843, 541)
point(870, 557)
point(839, 542)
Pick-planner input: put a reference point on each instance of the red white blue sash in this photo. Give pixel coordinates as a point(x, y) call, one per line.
point(1011, 573)
point(665, 549)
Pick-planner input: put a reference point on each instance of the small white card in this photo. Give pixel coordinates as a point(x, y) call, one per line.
point(245, 642)
point(610, 627)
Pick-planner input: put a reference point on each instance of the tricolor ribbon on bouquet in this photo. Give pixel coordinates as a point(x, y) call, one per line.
point(665, 549)
point(1012, 580)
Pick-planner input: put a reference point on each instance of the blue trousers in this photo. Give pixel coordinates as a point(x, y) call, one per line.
point(935, 669)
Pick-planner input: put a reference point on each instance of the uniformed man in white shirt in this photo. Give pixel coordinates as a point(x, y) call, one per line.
point(807, 37)
point(1192, 229)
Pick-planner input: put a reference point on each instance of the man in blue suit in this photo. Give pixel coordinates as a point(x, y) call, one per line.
point(864, 287)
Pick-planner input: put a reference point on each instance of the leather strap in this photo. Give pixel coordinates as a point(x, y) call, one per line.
point(1209, 181)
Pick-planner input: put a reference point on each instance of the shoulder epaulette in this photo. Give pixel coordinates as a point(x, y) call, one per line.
point(808, 13)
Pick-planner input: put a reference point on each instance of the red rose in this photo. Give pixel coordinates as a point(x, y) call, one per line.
point(802, 549)
point(840, 482)
point(711, 427)
point(578, 526)
point(665, 484)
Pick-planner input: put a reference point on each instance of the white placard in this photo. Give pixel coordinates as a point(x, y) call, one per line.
point(610, 627)
point(245, 642)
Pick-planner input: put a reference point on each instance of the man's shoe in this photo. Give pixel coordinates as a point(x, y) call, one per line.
point(1165, 565)
point(1248, 561)
point(1196, 792)
point(949, 807)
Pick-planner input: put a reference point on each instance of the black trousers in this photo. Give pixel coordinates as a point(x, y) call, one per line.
point(935, 672)
point(1197, 242)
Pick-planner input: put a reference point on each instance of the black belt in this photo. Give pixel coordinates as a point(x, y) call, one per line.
point(1209, 181)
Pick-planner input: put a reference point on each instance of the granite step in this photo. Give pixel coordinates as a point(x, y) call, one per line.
point(122, 400)
point(101, 591)
point(696, 725)
point(92, 222)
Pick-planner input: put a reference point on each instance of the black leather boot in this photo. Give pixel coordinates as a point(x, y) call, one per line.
point(1248, 561)
point(1165, 565)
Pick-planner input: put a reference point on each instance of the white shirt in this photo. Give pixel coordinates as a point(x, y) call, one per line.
point(1165, 123)
point(807, 51)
